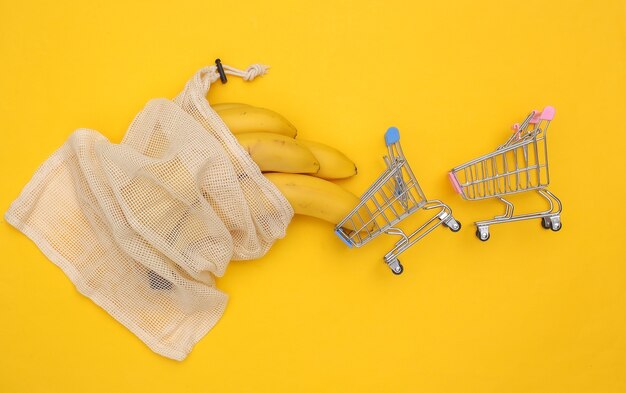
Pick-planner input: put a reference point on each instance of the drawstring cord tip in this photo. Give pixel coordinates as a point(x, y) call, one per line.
point(220, 70)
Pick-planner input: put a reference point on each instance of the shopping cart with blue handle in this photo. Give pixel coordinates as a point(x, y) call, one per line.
point(394, 196)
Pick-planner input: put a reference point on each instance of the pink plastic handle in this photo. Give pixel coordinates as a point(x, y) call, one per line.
point(455, 183)
point(536, 117)
point(515, 128)
point(548, 113)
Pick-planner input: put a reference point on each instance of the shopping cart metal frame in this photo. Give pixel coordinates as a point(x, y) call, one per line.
point(519, 165)
point(395, 195)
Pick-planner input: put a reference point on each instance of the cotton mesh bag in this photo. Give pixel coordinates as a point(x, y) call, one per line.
point(143, 227)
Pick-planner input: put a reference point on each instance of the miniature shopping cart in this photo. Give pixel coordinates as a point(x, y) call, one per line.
point(519, 165)
point(393, 197)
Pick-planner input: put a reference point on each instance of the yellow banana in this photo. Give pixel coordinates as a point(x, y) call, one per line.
point(333, 163)
point(278, 153)
point(245, 119)
point(315, 197)
point(228, 105)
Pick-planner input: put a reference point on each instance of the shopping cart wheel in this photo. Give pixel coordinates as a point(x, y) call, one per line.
point(483, 234)
point(396, 267)
point(556, 226)
point(397, 270)
point(545, 223)
point(453, 229)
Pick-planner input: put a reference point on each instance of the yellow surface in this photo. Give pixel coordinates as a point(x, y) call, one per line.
point(528, 311)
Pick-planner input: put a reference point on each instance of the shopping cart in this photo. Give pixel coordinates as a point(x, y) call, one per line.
point(519, 165)
point(395, 195)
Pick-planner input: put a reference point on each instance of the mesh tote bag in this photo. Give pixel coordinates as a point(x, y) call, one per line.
point(143, 227)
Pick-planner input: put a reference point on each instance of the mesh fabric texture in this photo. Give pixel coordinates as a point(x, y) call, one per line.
point(143, 227)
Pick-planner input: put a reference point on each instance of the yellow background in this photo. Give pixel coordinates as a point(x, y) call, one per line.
point(528, 311)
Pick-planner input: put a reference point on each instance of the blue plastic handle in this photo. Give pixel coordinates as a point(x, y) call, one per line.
point(392, 136)
point(342, 237)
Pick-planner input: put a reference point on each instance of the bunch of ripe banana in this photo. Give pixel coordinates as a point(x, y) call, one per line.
point(300, 169)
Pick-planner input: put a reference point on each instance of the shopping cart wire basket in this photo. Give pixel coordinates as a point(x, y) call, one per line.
point(519, 165)
point(395, 195)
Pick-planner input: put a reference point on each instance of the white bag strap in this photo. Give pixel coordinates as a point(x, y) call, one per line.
point(207, 75)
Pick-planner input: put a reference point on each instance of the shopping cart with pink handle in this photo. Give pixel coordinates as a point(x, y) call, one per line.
point(519, 165)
